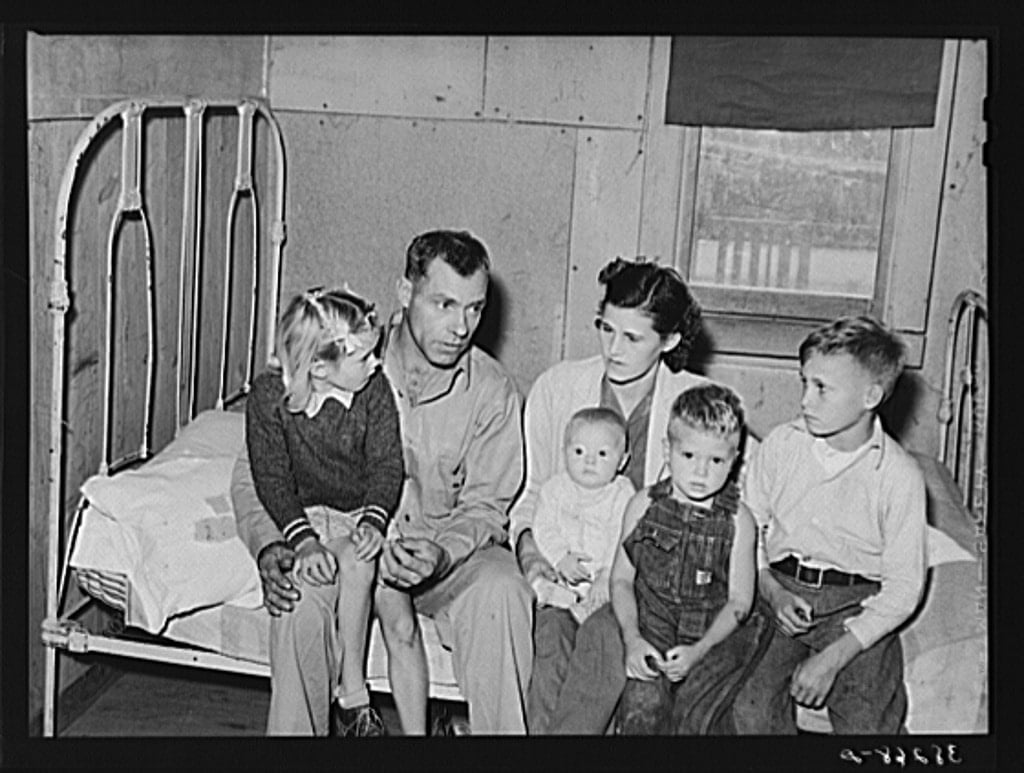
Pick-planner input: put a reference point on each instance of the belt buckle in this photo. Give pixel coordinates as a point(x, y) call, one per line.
point(800, 568)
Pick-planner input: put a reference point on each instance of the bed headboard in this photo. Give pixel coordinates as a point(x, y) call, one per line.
point(167, 255)
point(166, 262)
point(963, 413)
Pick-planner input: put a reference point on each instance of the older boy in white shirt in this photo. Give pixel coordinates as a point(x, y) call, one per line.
point(841, 509)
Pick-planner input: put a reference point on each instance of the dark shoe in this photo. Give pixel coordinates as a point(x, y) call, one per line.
point(446, 723)
point(360, 722)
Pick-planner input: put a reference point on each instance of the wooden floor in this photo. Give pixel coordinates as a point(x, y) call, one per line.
point(160, 700)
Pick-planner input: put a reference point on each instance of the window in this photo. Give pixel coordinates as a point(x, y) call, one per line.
point(781, 210)
point(787, 224)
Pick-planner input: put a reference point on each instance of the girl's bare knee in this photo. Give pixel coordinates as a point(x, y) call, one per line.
point(399, 625)
point(351, 568)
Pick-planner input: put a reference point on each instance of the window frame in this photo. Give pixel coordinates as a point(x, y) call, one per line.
point(788, 304)
point(746, 321)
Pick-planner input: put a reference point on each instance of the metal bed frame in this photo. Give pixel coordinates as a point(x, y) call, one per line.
point(59, 630)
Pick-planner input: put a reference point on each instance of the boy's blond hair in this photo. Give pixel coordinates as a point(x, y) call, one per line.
point(871, 344)
point(711, 408)
point(317, 325)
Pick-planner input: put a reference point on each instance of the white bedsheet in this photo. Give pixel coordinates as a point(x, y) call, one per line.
point(168, 527)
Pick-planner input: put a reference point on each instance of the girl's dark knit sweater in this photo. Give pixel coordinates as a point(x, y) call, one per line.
point(346, 458)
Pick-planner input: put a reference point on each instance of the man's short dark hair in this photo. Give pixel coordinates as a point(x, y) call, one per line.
point(459, 249)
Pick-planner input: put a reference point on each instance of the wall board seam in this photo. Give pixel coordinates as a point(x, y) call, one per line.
point(457, 119)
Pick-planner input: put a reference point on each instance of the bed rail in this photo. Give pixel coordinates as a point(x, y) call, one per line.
point(963, 412)
point(131, 204)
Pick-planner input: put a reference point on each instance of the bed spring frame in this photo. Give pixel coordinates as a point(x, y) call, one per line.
point(963, 412)
point(59, 631)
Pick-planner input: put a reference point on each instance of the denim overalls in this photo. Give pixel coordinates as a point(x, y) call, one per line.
point(681, 555)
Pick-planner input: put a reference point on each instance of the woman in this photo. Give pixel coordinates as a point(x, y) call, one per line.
point(647, 323)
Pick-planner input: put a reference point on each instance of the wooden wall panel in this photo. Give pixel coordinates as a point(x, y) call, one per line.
point(917, 209)
point(962, 252)
point(605, 224)
point(770, 391)
point(370, 184)
point(78, 75)
point(663, 166)
point(436, 77)
point(582, 81)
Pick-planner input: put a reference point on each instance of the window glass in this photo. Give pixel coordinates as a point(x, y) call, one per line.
point(793, 211)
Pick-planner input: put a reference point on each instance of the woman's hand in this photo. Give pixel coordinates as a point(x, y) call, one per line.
point(314, 564)
point(368, 542)
point(532, 562)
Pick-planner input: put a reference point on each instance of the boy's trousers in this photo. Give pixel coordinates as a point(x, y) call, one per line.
point(868, 695)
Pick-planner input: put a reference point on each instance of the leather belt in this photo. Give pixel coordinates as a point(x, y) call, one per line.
point(814, 577)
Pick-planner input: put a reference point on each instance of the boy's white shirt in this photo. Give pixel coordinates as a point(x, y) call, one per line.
point(889, 546)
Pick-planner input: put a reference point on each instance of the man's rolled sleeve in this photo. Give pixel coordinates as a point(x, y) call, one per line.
point(494, 471)
point(256, 528)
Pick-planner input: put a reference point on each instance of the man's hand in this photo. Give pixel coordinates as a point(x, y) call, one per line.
point(531, 562)
point(571, 567)
point(368, 542)
point(279, 593)
point(410, 561)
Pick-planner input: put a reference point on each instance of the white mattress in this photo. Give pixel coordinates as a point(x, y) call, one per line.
point(159, 543)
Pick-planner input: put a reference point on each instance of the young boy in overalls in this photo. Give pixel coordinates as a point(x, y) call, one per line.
point(683, 578)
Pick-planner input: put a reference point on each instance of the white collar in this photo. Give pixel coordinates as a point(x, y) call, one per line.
point(318, 399)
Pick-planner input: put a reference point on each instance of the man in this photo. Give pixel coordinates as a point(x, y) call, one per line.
point(462, 440)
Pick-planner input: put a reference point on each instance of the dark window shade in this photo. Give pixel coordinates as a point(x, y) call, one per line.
point(803, 83)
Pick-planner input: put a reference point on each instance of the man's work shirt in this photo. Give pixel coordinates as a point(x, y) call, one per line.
point(861, 512)
point(463, 447)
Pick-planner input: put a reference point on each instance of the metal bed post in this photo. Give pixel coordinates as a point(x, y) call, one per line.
point(191, 246)
point(129, 201)
point(58, 306)
point(243, 186)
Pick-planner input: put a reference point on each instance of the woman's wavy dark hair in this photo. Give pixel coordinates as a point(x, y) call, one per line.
point(660, 293)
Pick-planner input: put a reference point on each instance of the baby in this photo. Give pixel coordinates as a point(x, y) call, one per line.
point(578, 520)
